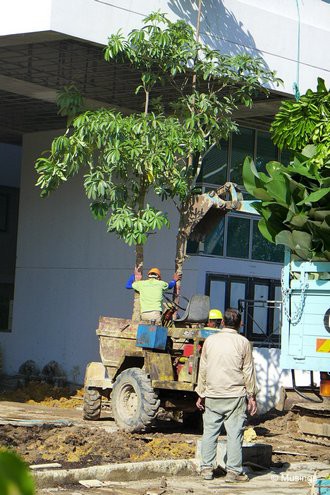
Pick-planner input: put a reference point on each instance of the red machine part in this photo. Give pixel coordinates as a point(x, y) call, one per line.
point(325, 384)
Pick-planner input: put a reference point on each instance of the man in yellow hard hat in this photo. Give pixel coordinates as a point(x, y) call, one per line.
point(151, 292)
point(215, 319)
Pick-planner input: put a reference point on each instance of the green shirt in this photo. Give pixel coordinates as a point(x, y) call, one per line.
point(151, 293)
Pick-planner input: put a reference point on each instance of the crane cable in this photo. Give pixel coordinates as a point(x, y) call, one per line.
point(296, 83)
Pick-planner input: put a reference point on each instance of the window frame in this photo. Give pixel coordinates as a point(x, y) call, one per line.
point(259, 339)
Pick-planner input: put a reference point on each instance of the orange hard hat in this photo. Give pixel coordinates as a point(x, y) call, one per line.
point(156, 271)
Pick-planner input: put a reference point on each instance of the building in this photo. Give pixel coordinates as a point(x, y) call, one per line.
point(68, 270)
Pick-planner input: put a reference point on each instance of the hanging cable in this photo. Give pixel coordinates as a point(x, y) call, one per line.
point(296, 83)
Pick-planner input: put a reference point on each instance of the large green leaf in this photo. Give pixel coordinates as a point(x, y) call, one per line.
point(250, 176)
point(315, 196)
point(279, 190)
point(298, 242)
point(15, 478)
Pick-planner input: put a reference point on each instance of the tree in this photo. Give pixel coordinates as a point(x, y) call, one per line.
point(294, 200)
point(207, 87)
point(161, 150)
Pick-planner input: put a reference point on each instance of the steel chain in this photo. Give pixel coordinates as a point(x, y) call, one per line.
point(286, 292)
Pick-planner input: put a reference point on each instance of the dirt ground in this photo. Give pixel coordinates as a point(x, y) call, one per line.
point(77, 446)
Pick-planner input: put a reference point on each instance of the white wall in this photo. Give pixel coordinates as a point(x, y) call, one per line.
point(260, 27)
point(271, 378)
point(19, 16)
point(69, 272)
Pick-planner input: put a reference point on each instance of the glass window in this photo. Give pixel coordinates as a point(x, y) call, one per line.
point(266, 151)
point(277, 311)
point(218, 294)
point(242, 145)
point(214, 167)
point(260, 312)
point(213, 243)
point(264, 250)
point(192, 247)
point(238, 237)
point(6, 301)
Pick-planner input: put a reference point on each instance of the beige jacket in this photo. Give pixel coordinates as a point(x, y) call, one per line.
point(226, 366)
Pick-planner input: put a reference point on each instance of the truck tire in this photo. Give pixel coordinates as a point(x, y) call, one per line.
point(134, 401)
point(92, 404)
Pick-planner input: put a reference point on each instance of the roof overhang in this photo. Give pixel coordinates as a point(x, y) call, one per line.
point(35, 66)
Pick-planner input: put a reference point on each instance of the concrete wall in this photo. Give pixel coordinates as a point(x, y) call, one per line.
point(259, 27)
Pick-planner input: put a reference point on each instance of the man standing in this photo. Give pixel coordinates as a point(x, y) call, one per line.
point(151, 292)
point(226, 388)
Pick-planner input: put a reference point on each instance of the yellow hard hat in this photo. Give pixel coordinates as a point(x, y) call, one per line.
point(215, 314)
point(155, 271)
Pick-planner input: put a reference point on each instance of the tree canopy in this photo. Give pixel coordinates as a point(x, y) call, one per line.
point(127, 159)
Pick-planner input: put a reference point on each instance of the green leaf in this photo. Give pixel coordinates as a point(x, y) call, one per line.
point(250, 175)
point(14, 475)
point(315, 196)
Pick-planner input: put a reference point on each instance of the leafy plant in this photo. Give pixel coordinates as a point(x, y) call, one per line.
point(294, 201)
point(303, 122)
point(294, 204)
point(15, 478)
point(70, 102)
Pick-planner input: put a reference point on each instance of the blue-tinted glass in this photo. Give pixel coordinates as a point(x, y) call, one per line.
point(266, 151)
point(214, 166)
point(243, 145)
point(238, 237)
point(192, 247)
point(264, 250)
point(213, 243)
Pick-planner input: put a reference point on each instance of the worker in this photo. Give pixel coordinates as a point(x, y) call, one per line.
point(151, 292)
point(226, 390)
point(215, 319)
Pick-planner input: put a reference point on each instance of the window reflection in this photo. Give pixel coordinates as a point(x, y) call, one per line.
point(242, 145)
point(266, 151)
point(238, 237)
point(213, 243)
point(214, 168)
point(264, 250)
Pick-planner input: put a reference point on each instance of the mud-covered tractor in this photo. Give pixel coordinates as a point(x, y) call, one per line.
point(145, 367)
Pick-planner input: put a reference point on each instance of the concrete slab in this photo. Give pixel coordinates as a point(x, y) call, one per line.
point(295, 479)
point(21, 414)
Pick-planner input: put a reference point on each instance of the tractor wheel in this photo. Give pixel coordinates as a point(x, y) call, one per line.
point(134, 401)
point(92, 404)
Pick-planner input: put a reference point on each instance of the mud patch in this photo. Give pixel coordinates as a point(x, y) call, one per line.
point(76, 446)
point(45, 394)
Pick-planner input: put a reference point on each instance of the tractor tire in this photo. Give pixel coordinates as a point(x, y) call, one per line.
point(134, 401)
point(92, 404)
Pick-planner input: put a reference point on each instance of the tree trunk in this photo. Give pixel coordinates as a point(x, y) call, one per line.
point(181, 247)
point(138, 268)
point(184, 229)
point(139, 258)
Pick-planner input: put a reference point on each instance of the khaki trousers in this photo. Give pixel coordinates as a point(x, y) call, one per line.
point(230, 412)
point(151, 316)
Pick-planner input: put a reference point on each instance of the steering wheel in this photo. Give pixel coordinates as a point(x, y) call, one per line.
point(176, 305)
